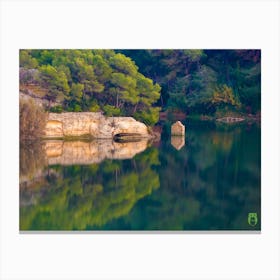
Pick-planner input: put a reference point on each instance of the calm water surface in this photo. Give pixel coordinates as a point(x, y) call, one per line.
point(207, 180)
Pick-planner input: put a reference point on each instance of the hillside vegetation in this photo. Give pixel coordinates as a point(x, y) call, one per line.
point(140, 83)
point(91, 80)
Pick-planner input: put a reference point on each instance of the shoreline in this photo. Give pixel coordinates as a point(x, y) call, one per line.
point(227, 118)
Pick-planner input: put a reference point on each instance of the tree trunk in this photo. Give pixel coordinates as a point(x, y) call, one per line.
point(135, 108)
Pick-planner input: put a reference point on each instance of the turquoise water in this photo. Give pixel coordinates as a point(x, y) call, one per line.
point(208, 180)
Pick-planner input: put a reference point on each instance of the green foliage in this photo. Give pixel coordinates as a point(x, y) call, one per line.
point(200, 90)
point(136, 81)
point(189, 78)
point(223, 96)
point(45, 57)
point(101, 68)
point(250, 88)
point(123, 64)
point(87, 80)
point(77, 91)
point(87, 77)
point(240, 70)
point(111, 111)
point(149, 116)
point(56, 109)
point(26, 60)
point(149, 93)
point(178, 96)
point(66, 70)
point(125, 88)
point(77, 108)
point(94, 107)
point(193, 55)
point(55, 81)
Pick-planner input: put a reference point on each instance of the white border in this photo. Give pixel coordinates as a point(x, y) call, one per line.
point(154, 24)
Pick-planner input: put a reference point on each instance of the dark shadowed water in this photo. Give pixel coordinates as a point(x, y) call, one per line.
point(208, 180)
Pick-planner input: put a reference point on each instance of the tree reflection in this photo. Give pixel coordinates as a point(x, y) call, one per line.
point(81, 197)
point(219, 170)
point(32, 162)
point(211, 183)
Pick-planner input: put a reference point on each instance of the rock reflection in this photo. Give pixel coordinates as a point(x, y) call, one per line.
point(83, 197)
point(36, 156)
point(178, 142)
point(79, 152)
point(212, 183)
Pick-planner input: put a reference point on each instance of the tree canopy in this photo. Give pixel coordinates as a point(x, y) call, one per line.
point(140, 83)
point(92, 80)
point(203, 81)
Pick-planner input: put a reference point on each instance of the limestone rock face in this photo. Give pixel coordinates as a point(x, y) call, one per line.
point(92, 125)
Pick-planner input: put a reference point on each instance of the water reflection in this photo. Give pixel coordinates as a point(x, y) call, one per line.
point(210, 183)
point(35, 156)
point(78, 152)
point(71, 196)
point(178, 142)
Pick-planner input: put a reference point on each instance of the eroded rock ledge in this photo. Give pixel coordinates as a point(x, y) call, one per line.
point(93, 125)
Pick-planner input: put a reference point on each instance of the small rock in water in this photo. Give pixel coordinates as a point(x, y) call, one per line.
point(178, 128)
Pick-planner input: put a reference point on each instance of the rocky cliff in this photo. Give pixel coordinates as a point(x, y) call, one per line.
point(93, 125)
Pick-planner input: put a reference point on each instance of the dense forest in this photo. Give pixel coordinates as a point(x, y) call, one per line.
point(141, 83)
point(204, 81)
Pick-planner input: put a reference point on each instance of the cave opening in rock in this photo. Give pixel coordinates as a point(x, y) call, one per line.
point(127, 137)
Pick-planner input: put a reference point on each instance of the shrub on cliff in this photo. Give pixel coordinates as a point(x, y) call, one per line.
point(111, 111)
point(32, 120)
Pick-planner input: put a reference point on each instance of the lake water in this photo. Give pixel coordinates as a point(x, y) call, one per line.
point(208, 180)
